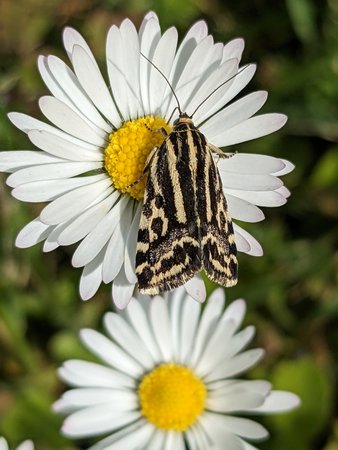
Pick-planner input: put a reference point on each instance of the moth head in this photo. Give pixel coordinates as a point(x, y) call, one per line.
point(183, 118)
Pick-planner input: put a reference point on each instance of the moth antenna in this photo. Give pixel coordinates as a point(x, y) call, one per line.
point(166, 79)
point(216, 89)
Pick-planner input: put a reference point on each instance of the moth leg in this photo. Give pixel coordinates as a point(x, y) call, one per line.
point(158, 130)
point(146, 168)
point(219, 152)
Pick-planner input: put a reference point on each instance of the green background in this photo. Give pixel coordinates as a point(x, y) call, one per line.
point(291, 291)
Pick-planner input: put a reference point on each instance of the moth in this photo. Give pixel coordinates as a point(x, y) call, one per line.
point(185, 226)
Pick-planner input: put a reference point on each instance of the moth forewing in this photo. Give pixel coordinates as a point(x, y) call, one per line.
point(218, 243)
point(185, 226)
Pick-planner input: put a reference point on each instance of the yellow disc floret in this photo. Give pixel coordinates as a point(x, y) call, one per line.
point(172, 397)
point(128, 149)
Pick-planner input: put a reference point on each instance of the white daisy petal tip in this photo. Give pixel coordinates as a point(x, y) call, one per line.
point(150, 15)
point(25, 445)
point(196, 289)
point(280, 120)
point(236, 311)
point(288, 167)
point(279, 402)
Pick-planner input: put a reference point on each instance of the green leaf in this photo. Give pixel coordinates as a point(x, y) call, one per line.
point(302, 16)
point(312, 383)
point(325, 173)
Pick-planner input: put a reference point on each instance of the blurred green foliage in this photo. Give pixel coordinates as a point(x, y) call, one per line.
point(291, 291)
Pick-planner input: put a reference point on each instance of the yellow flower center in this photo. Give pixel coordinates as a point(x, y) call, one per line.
point(127, 152)
point(172, 397)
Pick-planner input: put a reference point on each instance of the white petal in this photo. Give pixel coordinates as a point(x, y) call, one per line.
point(118, 436)
point(246, 243)
point(211, 313)
point(88, 374)
point(252, 128)
point(32, 233)
point(194, 36)
point(122, 290)
point(162, 58)
point(26, 445)
point(12, 160)
point(196, 288)
point(189, 321)
point(245, 428)
point(176, 303)
point(192, 441)
point(99, 236)
point(75, 399)
point(150, 15)
point(63, 148)
point(80, 226)
point(122, 333)
point(72, 37)
point(65, 118)
point(242, 210)
point(199, 62)
point(233, 49)
point(259, 198)
point(91, 277)
point(42, 191)
point(237, 365)
point(93, 83)
point(130, 253)
point(139, 320)
point(27, 124)
point(114, 256)
point(249, 182)
point(123, 62)
point(96, 420)
point(200, 437)
point(233, 87)
point(137, 438)
point(248, 446)
point(51, 172)
point(234, 114)
point(246, 163)
point(3, 444)
point(288, 167)
point(65, 86)
point(235, 312)
point(174, 440)
point(111, 353)
point(219, 436)
point(74, 202)
point(278, 401)
point(157, 440)
point(239, 341)
point(150, 34)
point(160, 323)
point(51, 243)
point(212, 355)
point(196, 32)
point(224, 387)
point(214, 84)
point(283, 191)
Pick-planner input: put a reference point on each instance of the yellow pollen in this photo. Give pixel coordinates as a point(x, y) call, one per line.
point(128, 149)
point(172, 397)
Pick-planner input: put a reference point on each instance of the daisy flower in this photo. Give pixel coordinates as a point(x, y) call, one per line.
point(100, 136)
point(26, 445)
point(169, 379)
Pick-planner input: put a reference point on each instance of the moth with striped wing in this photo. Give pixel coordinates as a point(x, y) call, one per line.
point(185, 226)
